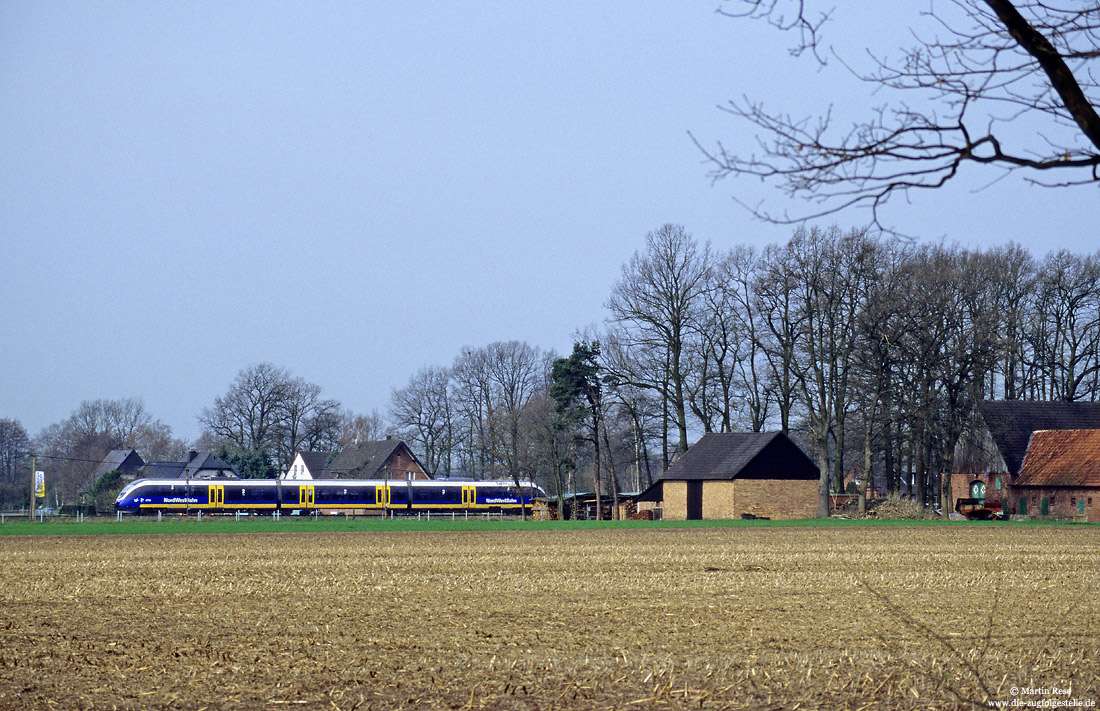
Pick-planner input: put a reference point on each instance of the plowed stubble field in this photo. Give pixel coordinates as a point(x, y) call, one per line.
point(691, 618)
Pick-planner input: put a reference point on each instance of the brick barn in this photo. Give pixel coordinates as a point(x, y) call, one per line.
point(737, 475)
point(990, 453)
point(1060, 475)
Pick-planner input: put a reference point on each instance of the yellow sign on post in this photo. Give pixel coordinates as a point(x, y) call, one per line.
point(40, 484)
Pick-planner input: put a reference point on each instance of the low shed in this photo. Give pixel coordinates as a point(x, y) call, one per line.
point(737, 475)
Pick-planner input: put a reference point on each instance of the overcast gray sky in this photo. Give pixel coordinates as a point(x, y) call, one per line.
point(356, 190)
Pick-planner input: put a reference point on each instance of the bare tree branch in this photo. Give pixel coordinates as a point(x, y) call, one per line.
point(1029, 57)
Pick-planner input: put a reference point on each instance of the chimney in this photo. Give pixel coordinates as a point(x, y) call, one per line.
point(191, 454)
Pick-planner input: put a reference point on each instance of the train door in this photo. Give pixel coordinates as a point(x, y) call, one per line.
point(306, 497)
point(469, 496)
point(216, 496)
point(382, 496)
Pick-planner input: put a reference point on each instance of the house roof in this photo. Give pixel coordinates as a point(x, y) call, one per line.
point(164, 470)
point(208, 461)
point(1062, 458)
point(1012, 422)
point(115, 459)
point(366, 460)
point(315, 461)
point(745, 455)
point(190, 469)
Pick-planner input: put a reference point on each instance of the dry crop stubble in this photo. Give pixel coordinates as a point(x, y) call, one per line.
point(692, 618)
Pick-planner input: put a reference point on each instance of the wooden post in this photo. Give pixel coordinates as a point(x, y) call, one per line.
point(34, 489)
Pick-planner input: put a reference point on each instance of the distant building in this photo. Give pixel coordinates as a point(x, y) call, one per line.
point(198, 465)
point(385, 459)
point(1060, 475)
point(308, 465)
point(127, 461)
point(737, 475)
point(991, 451)
point(582, 506)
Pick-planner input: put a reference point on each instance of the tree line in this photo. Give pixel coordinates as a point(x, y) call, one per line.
point(867, 350)
point(264, 418)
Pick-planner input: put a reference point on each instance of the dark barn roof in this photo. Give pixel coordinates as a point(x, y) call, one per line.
point(743, 455)
point(1012, 422)
point(738, 455)
point(1062, 458)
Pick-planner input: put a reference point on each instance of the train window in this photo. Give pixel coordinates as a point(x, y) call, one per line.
point(423, 495)
point(436, 495)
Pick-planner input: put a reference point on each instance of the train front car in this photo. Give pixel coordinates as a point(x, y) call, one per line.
point(126, 501)
point(161, 495)
point(186, 495)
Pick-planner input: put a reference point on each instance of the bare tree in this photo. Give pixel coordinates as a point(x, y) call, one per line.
point(268, 410)
point(834, 271)
point(1001, 69)
point(71, 449)
point(14, 447)
point(636, 403)
point(731, 336)
point(473, 399)
point(517, 374)
point(553, 448)
point(1013, 289)
point(308, 421)
point(774, 301)
point(423, 411)
point(1066, 336)
point(354, 429)
point(250, 415)
point(657, 299)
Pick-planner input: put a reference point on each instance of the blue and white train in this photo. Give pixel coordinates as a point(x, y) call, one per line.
point(367, 496)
